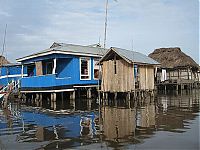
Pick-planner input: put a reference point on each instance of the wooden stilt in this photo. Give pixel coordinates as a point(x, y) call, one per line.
point(73, 95)
point(72, 103)
point(37, 99)
point(106, 94)
point(115, 96)
point(53, 101)
point(89, 95)
point(89, 104)
point(128, 96)
point(32, 99)
point(40, 100)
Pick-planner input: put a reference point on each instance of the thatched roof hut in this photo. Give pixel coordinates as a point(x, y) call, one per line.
point(173, 58)
point(3, 61)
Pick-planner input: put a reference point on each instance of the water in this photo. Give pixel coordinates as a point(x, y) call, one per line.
point(167, 122)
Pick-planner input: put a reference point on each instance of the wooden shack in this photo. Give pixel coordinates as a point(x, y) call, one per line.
point(177, 70)
point(126, 71)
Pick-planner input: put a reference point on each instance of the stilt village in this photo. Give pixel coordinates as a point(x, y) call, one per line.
point(65, 72)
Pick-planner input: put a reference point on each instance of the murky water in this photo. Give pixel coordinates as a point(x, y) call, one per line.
point(167, 122)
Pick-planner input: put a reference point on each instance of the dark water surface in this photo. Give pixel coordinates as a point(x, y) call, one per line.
point(167, 122)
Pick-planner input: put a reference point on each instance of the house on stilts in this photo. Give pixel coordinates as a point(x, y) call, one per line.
point(178, 71)
point(61, 71)
point(10, 75)
point(126, 72)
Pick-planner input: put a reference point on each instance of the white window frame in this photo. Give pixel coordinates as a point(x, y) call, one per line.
point(95, 60)
point(89, 68)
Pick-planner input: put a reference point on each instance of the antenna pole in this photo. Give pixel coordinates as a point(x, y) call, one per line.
point(4, 45)
point(105, 27)
point(4, 40)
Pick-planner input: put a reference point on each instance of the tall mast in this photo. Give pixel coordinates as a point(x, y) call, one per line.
point(3, 49)
point(105, 27)
point(4, 43)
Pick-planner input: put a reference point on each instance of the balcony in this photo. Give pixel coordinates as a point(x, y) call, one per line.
point(44, 81)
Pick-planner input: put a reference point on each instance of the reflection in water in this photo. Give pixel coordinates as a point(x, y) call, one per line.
point(116, 125)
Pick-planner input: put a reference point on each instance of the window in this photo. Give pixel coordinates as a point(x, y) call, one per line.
point(30, 70)
point(49, 67)
point(115, 66)
point(96, 69)
point(85, 68)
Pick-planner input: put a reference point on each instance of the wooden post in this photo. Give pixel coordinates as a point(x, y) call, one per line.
point(103, 95)
point(37, 99)
point(24, 98)
point(72, 103)
point(89, 104)
point(89, 95)
point(32, 99)
point(115, 96)
point(53, 101)
point(128, 96)
point(73, 95)
point(40, 100)
point(106, 94)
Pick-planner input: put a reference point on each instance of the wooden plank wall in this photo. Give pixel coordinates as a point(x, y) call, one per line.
point(122, 81)
point(146, 76)
point(39, 70)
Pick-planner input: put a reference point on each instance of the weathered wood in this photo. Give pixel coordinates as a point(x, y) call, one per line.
point(120, 81)
point(39, 70)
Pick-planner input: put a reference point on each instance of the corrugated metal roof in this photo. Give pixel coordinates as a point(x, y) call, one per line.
point(134, 56)
point(81, 49)
point(89, 50)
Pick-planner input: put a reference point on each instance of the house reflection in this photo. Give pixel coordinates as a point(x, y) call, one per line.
point(166, 113)
point(118, 123)
point(146, 116)
point(180, 108)
point(8, 117)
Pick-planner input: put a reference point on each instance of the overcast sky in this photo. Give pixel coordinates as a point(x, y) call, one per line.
point(33, 25)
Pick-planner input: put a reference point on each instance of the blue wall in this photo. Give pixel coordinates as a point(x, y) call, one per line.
point(6, 71)
point(68, 73)
point(64, 68)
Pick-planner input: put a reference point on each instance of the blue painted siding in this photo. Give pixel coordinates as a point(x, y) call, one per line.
point(64, 68)
point(9, 73)
point(14, 70)
point(3, 71)
point(67, 73)
point(38, 81)
point(5, 81)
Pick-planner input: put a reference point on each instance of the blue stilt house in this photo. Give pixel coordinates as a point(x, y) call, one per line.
point(62, 67)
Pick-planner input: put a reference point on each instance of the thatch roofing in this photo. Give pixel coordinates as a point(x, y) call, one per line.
point(173, 58)
point(3, 61)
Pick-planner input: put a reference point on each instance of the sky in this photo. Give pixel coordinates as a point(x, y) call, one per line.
point(141, 25)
